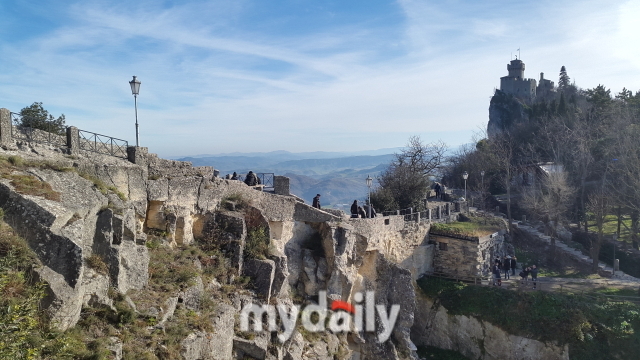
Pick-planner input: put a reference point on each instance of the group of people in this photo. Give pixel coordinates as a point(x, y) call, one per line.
point(358, 211)
point(251, 179)
point(508, 267)
point(524, 275)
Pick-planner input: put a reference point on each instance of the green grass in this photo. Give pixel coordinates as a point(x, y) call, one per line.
point(430, 352)
point(617, 292)
point(593, 329)
point(611, 227)
point(470, 226)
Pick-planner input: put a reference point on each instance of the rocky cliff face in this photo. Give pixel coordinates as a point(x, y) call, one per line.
point(476, 339)
point(110, 208)
point(504, 111)
point(177, 246)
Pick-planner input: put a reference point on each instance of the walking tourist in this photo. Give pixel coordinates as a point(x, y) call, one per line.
point(514, 263)
point(316, 201)
point(354, 209)
point(507, 267)
point(496, 275)
point(534, 276)
point(437, 189)
point(524, 275)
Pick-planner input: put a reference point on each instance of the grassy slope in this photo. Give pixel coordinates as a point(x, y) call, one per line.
point(593, 330)
point(473, 226)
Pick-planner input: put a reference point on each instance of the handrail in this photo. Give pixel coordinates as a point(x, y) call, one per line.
point(102, 144)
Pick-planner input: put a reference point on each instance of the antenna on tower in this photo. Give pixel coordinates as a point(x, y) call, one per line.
point(519, 57)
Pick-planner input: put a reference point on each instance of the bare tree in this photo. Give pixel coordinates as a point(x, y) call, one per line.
point(503, 148)
point(549, 200)
point(599, 206)
point(406, 181)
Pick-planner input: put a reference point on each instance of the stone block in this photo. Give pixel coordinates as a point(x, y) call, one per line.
point(5, 127)
point(281, 185)
point(256, 348)
point(262, 273)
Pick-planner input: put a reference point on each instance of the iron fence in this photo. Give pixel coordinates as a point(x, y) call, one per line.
point(31, 134)
point(102, 144)
point(265, 179)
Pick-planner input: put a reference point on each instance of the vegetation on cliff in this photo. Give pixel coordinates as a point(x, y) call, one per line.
point(474, 226)
point(593, 329)
point(591, 133)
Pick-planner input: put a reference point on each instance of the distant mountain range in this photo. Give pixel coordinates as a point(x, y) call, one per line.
point(338, 176)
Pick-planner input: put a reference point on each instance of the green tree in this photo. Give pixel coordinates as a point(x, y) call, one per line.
point(35, 116)
point(564, 80)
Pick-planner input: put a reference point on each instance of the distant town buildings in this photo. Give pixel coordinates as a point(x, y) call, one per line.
point(517, 85)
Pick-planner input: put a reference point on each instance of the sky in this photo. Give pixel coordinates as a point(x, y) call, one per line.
point(222, 76)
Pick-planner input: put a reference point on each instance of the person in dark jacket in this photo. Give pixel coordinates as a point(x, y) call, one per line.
point(354, 209)
point(251, 179)
point(496, 275)
point(368, 208)
point(316, 202)
point(524, 275)
point(534, 276)
point(513, 266)
point(506, 266)
point(234, 176)
point(361, 212)
point(437, 189)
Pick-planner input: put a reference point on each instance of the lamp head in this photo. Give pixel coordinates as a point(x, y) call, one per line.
point(135, 86)
point(369, 181)
point(465, 175)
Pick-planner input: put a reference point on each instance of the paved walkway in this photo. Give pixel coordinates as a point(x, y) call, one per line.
point(577, 254)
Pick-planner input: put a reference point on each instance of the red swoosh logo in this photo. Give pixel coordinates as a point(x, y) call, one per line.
point(342, 305)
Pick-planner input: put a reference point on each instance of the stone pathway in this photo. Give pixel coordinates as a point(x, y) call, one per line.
point(577, 254)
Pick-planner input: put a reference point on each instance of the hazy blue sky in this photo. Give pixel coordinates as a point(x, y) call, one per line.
point(299, 75)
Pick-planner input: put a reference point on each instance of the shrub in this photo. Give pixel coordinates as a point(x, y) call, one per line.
point(257, 245)
point(30, 185)
point(96, 262)
point(16, 160)
point(234, 201)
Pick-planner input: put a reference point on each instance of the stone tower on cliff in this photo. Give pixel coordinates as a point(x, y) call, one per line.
point(525, 89)
point(516, 84)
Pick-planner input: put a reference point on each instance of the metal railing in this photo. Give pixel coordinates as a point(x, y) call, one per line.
point(102, 144)
point(266, 179)
point(34, 135)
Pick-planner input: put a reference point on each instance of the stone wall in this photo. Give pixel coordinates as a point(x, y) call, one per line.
point(404, 242)
point(459, 256)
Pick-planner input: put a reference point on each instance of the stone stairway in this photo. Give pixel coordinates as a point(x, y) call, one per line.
point(577, 254)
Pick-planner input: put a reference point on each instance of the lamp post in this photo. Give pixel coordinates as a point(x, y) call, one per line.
point(369, 183)
point(613, 265)
point(482, 194)
point(135, 90)
point(465, 175)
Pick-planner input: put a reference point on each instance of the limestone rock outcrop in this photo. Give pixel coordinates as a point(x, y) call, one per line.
point(475, 338)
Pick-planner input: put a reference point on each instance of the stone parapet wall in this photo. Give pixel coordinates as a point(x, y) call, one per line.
point(464, 256)
point(403, 242)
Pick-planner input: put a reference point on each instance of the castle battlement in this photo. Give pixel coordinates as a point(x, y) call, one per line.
point(517, 85)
